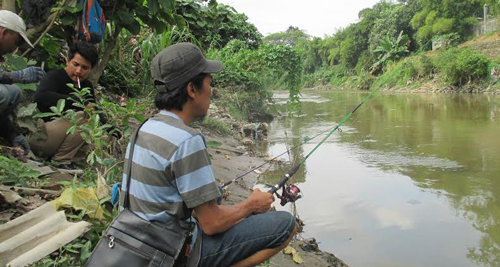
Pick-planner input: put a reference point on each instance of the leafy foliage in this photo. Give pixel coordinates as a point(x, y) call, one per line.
point(251, 71)
point(215, 25)
point(13, 172)
point(391, 49)
point(462, 66)
point(292, 37)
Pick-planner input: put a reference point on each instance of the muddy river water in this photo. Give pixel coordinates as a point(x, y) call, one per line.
point(412, 179)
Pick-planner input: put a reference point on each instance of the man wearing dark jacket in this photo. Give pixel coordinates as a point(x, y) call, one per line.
point(55, 143)
point(13, 33)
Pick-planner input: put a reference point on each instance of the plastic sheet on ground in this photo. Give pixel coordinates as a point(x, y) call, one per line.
point(36, 234)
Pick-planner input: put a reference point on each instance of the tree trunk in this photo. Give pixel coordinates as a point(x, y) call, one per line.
point(99, 69)
point(9, 5)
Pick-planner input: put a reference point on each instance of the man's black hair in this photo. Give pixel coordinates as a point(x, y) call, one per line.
point(86, 50)
point(176, 98)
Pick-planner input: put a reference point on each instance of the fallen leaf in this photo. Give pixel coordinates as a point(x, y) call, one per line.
point(227, 157)
point(81, 199)
point(295, 255)
point(257, 171)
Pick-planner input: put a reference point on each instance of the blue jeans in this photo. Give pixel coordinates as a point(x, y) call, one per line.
point(10, 96)
point(255, 233)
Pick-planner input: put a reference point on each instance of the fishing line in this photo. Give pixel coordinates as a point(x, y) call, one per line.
point(291, 192)
point(295, 169)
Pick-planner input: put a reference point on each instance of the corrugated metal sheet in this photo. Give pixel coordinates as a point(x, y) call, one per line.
point(35, 235)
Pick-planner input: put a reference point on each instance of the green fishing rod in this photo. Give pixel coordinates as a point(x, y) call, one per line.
point(291, 193)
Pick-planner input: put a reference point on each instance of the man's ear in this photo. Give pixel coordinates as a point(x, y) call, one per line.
point(191, 91)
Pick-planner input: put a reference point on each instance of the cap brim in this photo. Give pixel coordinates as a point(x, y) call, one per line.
point(213, 66)
point(26, 39)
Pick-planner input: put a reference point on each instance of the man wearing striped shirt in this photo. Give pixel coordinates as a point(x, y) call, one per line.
point(172, 177)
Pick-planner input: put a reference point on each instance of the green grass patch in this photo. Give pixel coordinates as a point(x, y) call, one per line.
point(213, 144)
point(219, 126)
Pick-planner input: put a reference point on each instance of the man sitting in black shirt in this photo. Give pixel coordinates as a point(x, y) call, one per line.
point(63, 148)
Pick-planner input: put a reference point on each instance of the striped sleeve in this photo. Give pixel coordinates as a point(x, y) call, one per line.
point(193, 172)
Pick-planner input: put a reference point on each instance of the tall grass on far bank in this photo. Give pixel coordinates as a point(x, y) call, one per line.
point(455, 67)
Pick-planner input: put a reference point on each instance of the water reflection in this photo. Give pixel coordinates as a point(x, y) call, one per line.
point(447, 145)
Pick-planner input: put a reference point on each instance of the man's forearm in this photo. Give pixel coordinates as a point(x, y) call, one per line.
point(216, 219)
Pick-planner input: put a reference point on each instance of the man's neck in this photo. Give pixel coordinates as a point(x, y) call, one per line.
point(185, 117)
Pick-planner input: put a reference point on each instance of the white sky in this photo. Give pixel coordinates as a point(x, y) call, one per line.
point(316, 17)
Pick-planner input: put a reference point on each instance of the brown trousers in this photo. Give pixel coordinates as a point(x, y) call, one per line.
point(53, 142)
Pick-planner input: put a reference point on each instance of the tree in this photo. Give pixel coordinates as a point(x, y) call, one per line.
point(214, 25)
point(291, 37)
point(438, 17)
point(391, 49)
point(125, 14)
point(392, 19)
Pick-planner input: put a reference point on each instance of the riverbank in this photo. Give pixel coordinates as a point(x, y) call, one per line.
point(424, 87)
point(230, 158)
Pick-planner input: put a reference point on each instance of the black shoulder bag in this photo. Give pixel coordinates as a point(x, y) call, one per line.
point(133, 241)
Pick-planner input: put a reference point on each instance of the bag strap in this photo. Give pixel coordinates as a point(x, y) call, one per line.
point(128, 171)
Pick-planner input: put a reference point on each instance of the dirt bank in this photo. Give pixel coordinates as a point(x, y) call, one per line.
point(230, 160)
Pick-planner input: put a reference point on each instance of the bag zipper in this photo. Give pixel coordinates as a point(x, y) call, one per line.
point(113, 240)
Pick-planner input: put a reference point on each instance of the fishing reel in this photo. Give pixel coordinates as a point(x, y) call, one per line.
point(289, 193)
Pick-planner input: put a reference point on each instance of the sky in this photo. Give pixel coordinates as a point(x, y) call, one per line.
point(316, 17)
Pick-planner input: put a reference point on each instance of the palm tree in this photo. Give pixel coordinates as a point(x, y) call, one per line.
point(390, 49)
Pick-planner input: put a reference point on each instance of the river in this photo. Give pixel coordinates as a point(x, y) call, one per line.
point(411, 180)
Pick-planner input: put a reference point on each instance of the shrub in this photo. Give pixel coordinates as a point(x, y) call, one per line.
point(461, 66)
point(442, 25)
point(398, 73)
point(363, 81)
point(334, 75)
point(404, 71)
point(119, 78)
point(424, 34)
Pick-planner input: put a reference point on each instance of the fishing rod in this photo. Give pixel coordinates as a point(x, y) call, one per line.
point(307, 139)
point(292, 193)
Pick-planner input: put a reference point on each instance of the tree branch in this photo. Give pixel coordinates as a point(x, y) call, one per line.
point(53, 16)
point(99, 69)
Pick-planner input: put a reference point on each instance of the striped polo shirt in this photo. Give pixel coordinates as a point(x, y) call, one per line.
point(171, 170)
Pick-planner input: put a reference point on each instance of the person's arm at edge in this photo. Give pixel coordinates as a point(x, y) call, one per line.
point(6, 77)
point(216, 219)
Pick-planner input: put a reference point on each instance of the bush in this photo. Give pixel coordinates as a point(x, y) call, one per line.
point(335, 75)
point(365, 61)
point(363, 81)
point(398, 73)
point(249, 75)
point(442, 25)
point(119, 79)
point(461, 66)
point(424, 34)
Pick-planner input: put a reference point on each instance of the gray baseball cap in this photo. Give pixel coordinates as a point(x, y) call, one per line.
point(178, 64)
point(12, 21)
